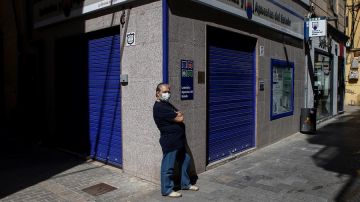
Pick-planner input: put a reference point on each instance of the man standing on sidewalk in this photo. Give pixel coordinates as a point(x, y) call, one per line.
point(170, 122)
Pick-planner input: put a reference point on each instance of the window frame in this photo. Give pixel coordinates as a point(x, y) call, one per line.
point(282, 64)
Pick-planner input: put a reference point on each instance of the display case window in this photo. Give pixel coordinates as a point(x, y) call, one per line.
point(282, 88)
point(323, 85)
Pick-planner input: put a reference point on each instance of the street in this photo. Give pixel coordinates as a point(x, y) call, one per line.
point(320, 167)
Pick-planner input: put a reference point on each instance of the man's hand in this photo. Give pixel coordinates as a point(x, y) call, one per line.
point(179, 117)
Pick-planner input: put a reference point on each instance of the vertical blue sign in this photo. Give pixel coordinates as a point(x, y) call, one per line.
point(187, 79)
point(306, 29)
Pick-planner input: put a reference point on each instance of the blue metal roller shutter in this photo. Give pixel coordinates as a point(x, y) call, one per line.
point(104, 99)
point(231, 101)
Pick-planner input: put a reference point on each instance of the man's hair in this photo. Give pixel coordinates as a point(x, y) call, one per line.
point(159, 86)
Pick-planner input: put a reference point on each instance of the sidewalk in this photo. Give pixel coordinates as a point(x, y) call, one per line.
point(321, 167)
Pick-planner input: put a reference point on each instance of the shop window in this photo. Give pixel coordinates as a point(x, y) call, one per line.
point(282, 89)
point(323, 85)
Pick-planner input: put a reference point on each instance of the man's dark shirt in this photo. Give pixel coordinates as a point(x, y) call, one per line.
point(172, 134)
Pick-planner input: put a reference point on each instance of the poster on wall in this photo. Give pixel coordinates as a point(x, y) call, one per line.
point(187, 79)
point(282, 89)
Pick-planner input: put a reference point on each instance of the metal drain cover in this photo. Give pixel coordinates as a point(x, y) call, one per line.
point(99, 189)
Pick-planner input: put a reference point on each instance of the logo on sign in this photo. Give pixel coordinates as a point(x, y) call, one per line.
point(315, 25)
point(183, 64)
point(249, 9)
point(190, 65)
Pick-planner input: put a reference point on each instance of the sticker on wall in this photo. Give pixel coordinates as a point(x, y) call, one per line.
point(187, 79)
point(130, 39)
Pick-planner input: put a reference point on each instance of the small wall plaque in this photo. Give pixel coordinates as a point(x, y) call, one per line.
point(261, 51)
point(187, 79)
point(261, 85)
point(130, 39)
point(201, 77)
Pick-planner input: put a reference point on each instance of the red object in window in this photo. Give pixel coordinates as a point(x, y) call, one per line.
point(341, 50)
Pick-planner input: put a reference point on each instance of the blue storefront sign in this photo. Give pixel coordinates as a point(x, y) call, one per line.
point(187, 79)
point(274, 14)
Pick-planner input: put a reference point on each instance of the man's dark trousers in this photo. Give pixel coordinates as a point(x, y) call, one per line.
point(167, 170)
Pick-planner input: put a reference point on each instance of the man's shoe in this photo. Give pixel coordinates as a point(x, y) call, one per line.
point(193, 188)
point(174, 194)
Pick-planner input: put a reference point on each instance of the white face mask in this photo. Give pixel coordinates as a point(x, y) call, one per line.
point(165, 96)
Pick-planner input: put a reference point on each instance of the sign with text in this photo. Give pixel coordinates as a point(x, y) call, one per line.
point(316, 27)
point(187, 79)
point(46, 12)
point(273, 14)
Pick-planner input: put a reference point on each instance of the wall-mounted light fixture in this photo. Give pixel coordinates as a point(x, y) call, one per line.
point(122, 19)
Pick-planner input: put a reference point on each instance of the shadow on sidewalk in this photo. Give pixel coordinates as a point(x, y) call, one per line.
point(342, 152)
point(24, 163)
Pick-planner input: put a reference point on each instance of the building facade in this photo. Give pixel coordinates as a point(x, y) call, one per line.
point(353, 52)
point(90, 111)
point(251, 53)
point(325, 89)
point(237, 70)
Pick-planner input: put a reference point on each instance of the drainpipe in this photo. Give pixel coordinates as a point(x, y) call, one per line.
point(165, 41)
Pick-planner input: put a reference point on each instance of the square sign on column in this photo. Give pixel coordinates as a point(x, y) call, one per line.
point(187, 79)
